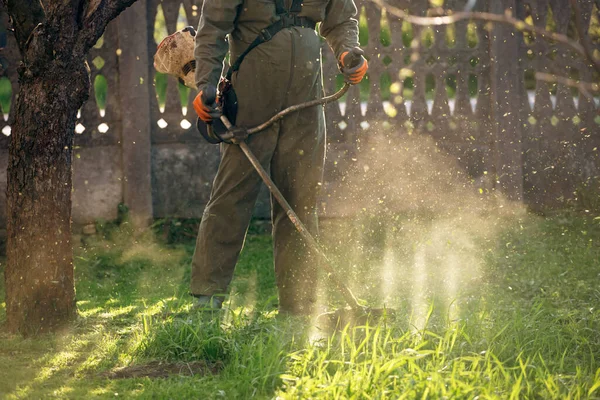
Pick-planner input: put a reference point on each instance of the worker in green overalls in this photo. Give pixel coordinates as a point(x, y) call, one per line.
point(281, 67)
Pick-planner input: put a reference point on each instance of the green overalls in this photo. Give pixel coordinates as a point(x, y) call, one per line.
point(281, 72)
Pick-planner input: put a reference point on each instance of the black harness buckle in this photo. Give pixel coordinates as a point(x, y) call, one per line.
point(266, 35)
point(289, 20)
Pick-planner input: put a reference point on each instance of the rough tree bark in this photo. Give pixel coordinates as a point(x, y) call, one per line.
point(54, 39)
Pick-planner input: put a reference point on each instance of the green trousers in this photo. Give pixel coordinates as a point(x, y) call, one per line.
point(293, 150)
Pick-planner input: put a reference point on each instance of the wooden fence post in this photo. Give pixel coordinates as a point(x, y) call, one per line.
point(135, 103)
point(506, 113)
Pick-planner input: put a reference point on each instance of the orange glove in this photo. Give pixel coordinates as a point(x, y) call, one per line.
point(353, 65)
point(206, 112)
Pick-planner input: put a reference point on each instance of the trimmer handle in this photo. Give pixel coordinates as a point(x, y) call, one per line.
point(209, 95)
point(353, 59)
point(208, 129)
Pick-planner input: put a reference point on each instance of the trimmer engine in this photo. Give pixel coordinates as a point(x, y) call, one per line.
point(175, 56)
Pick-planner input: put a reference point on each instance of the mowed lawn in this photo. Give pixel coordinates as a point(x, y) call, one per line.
point(515, 314)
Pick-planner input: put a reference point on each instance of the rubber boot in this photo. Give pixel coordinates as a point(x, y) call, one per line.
point(208, 303)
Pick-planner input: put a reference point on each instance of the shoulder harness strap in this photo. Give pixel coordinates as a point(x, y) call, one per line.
point(296, 7)
point(280, 7)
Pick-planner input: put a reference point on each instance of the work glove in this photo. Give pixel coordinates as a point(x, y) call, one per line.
point(206, 107)
point(353, 65)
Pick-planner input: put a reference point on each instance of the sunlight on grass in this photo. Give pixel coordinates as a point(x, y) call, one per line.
point(63, 392)
point(244, 297)
point(58, 362)
point(412, 365)
point(116, 312)
point(151, 251)
point(102, 355)
point(90, 312)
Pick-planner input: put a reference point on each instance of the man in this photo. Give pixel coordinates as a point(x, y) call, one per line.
point(283, 70)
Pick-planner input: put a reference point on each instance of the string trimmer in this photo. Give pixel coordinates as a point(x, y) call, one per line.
point(238, 136)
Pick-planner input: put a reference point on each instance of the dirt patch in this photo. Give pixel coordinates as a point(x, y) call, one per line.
point(161, 369)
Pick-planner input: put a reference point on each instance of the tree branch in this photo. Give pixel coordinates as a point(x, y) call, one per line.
point(26, 15)
point(481, 16)
point(584, 87)
point(96, 17)
point(582, 36)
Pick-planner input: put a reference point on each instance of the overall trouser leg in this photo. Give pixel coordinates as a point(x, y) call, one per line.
point(227, 215)
point(297, 169)
point(236, 185)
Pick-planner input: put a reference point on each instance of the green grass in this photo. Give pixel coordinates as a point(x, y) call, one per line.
point(5, 94)
point(528, 328)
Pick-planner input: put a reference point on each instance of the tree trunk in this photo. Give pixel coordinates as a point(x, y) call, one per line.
point(54, 39)
point(40, 294)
